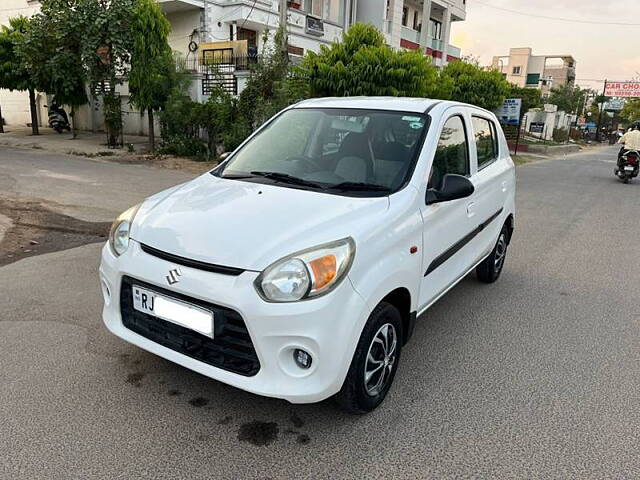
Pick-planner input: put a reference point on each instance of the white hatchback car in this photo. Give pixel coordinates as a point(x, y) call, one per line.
point(297, 267)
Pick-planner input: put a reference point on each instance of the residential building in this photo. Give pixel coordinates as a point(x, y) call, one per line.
point(15, 105)
point(524, 69)
point(403, 23)
point(231, 34)
point(310, 22)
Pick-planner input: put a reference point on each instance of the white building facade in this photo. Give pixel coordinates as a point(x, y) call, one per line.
point(423, 25)
point(15, 105)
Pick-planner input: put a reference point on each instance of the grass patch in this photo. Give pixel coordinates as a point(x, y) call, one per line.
point(524, 159)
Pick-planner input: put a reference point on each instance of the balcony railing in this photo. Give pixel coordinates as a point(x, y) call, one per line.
point(222, 64)
point(219, 68)
point(437, 45)
point(411, 34)
point(454, 51)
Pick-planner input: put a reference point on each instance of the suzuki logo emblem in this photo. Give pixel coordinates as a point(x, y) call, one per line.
point(174, 276)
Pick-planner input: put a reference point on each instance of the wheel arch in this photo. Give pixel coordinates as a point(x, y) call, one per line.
point(510, 224)
point(401, 299)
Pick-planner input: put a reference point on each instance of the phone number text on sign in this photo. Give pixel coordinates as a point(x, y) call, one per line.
point(622, 89)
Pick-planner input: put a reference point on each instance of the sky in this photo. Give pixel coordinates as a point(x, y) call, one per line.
point(601, 51)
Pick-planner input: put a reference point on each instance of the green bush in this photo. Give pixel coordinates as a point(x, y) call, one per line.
point(560, 135)
point(362, 64)
point(180, 127)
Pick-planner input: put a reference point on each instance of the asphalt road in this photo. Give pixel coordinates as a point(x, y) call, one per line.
point(536, 376)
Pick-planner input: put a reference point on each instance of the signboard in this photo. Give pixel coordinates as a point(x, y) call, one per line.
point(536, 127)
point(614, 105)
point(622, 89)
point(509, 113)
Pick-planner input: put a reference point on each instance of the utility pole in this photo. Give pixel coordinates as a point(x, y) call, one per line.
point(284, 46)
point(600, 114)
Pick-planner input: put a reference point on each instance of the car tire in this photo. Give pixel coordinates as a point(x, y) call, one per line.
point(491, 267)
point(364, 388)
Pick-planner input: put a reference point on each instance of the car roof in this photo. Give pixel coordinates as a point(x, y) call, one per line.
point(401, 104)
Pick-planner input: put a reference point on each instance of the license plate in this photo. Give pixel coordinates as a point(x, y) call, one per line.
point(628, 168)
point(174, 311)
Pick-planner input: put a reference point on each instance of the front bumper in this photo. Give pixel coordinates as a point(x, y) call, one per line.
point(328, 327)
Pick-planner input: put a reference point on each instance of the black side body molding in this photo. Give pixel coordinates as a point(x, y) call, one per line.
point(456, 247)
point(187, 262)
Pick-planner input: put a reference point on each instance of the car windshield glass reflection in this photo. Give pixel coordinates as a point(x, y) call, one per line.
point(335, 150)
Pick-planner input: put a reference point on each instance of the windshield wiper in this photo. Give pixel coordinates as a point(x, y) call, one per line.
point(286, 178)
point(359, 186)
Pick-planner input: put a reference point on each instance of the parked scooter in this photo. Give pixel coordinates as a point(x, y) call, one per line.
point(58, 119)
point(628, 165)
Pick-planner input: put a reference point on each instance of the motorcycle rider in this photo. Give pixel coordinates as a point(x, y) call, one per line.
point(631, 139)
point(55, 108)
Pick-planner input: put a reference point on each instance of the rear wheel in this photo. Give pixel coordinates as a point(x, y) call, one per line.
point(374, 363)
point(490, 269)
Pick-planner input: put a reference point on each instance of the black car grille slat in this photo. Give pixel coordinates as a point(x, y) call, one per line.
point(231, 348)
point(187, 262)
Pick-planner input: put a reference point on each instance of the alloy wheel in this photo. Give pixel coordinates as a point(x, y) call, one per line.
point(381, 358)
point(501, 252)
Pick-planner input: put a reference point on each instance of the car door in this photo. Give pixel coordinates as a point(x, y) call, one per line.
point(490, 178)
point(446, 225)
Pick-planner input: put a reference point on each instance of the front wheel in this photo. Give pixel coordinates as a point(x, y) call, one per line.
point(374, 363)
point(490, 269)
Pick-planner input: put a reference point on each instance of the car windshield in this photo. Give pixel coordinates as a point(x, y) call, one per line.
point(343, 151)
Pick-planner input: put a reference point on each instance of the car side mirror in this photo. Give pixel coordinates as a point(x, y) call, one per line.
point(453, 187)
point(225, 155)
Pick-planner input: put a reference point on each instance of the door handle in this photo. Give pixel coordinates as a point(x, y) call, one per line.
point(471, 210)
point(504, 186)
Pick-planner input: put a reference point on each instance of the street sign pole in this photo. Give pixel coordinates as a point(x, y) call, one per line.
point(515, 153)
point(600, 115)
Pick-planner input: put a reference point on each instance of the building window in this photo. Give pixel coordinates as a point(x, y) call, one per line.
point(331, 11)
point(436, 29)
point(416, 21)
point(516, 70)
point(405, 15)
point(533, 79)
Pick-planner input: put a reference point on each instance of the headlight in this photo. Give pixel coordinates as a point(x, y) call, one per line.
point(307, 274)
point(119, 234)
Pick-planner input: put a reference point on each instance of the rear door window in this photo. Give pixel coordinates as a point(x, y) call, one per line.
point(485, 137)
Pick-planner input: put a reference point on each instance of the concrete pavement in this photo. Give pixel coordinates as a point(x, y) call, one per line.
point(86, 143)
point(533, 377)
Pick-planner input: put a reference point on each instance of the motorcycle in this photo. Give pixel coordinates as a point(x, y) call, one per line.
point(628, 165)
point(58, 119)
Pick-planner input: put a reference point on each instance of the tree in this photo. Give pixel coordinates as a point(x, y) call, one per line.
point(13, 74)
point(469, 83)
point(106, 53)
point(362, 64)
point(569, 98)
point(265, 93)
point(631, 111)
point(531, 97)
point(151, 79)
point(51, 53)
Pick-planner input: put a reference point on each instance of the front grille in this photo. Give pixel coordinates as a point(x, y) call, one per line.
point(187, 262)
point(231, 348)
